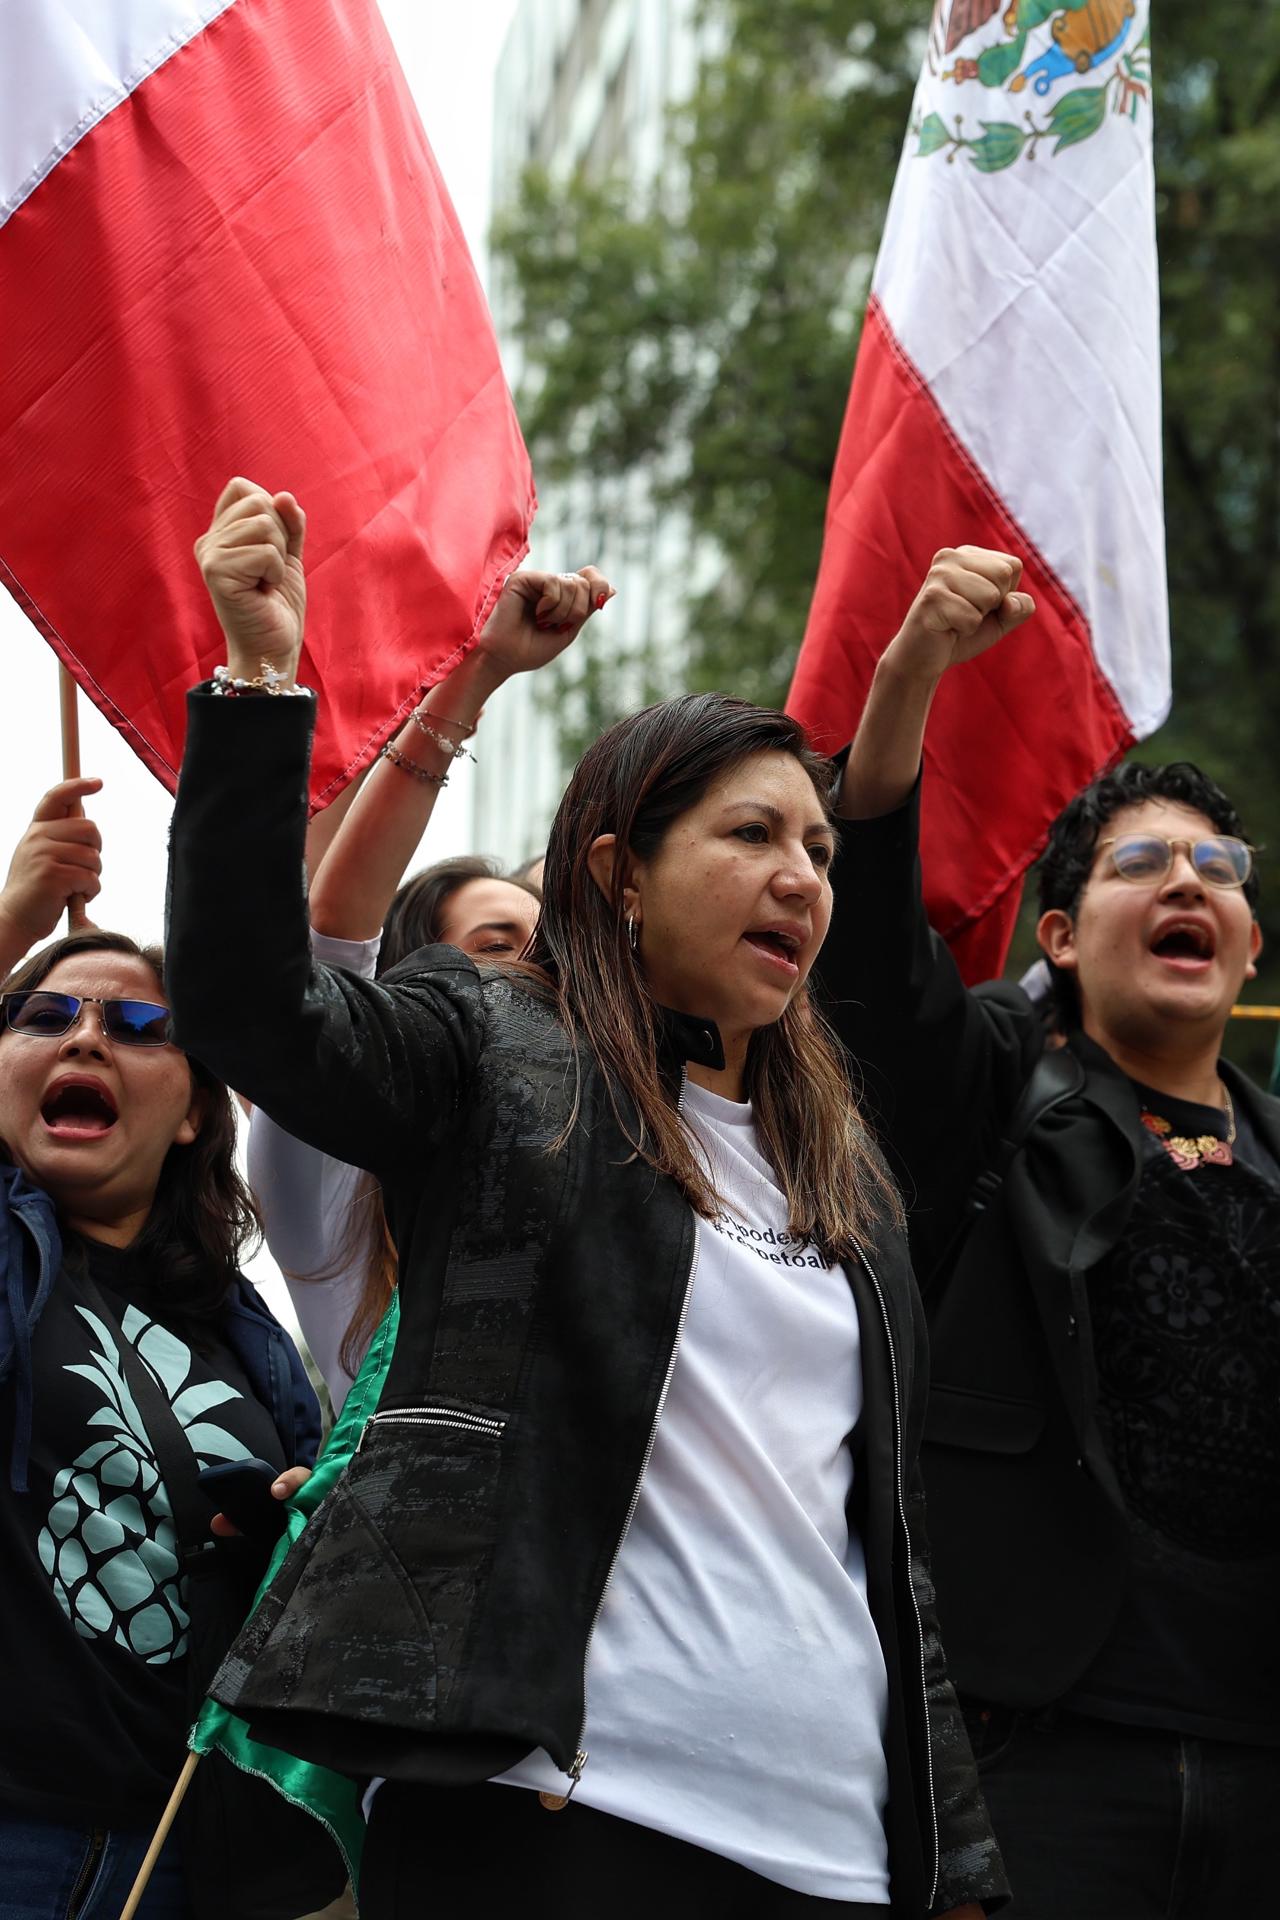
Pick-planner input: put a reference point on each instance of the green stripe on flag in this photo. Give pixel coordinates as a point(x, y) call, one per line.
point(331, 1797)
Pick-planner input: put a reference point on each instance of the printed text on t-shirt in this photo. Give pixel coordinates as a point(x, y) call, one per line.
point(776, 1245)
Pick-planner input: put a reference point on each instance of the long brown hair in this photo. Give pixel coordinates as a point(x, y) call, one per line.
point(202, 1221)
point(634, 783)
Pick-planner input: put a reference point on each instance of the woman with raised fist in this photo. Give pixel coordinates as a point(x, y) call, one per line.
point(622, 1602)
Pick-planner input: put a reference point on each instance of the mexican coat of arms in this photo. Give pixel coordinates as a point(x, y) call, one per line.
point(1052, 69)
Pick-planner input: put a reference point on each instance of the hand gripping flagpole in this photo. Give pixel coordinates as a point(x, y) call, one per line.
point(69, 712)
point(159, 1837)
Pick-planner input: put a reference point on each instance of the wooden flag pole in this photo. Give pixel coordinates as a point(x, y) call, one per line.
point(159, 1837)
point(69, 714)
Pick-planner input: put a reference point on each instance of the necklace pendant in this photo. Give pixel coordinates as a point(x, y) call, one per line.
point(1187, 1151)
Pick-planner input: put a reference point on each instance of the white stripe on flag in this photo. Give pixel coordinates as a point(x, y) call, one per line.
point(64, 64)
point(1027, 298)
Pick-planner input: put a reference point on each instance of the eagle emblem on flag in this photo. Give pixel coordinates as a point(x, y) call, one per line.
point(1081, 58)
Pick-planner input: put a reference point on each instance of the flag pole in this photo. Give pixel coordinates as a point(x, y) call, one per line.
point(159, 1837)
point(69, 714)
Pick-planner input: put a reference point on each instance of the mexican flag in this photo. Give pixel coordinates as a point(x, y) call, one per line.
point(225, 248)
point(1007, 394)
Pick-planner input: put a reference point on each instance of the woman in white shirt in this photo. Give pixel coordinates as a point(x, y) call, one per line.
point(641, 1489)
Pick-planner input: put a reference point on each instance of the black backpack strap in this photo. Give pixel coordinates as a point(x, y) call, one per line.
point(1056, 1076)
point(174, 1455)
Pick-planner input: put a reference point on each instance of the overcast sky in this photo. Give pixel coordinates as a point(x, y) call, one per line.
point(449, 55)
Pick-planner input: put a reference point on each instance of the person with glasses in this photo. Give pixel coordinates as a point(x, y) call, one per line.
point(133, 1355)
point(1097, 1231)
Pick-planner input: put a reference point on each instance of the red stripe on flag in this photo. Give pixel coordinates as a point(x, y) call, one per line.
point(252, 266)
point(1014, 733)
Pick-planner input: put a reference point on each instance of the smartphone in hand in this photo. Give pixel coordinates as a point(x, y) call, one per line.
point(241, 1489)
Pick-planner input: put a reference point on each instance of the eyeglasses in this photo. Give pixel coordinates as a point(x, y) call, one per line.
point(1145, 858)
point(47, 1016)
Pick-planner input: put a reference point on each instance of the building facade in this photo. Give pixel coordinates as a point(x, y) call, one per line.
point(582, 85)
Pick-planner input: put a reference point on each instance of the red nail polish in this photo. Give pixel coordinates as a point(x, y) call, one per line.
point(601, 602)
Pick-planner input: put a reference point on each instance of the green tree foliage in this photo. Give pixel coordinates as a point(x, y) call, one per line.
point(711, 326)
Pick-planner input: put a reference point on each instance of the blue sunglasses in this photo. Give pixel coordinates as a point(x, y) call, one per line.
point(47, 1016)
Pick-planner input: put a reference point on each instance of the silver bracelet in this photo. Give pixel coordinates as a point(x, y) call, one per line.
point(269, 680)
point(445, 746)
point(401, 760)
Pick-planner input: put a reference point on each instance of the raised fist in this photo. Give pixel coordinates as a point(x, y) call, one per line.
point(968, 602)
point(537, 615)
point(251, 562)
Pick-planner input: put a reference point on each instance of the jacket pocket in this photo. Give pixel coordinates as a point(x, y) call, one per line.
point(386, 1580)
point(341, 1631)
point(481, 1426)
point(427, 1479)
point(986, 1422)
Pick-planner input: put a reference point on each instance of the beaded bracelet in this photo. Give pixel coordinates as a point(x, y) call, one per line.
point(269, 680)
point(445, 746)
point(406, 765)
point(465, 727)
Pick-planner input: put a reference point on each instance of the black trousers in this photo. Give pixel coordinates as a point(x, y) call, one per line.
point(1104, 1822)
point(497, 1851)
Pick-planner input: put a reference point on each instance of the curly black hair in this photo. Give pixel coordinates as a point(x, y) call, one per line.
point(1073, 839)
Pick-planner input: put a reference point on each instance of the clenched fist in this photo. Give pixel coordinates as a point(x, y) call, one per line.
point(251, 562)
point(537, 615)
point(969, 600)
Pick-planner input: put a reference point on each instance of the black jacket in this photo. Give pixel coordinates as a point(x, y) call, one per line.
point(433, 1622)
point(1029, 1534)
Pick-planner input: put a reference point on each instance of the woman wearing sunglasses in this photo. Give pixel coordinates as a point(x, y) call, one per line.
point(132, 1357)
point(623, 1595)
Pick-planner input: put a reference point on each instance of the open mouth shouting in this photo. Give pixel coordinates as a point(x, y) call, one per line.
point(780, 946)
point(1186, 944)
point(78, 1107)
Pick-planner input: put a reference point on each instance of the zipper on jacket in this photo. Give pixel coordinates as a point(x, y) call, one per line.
point(581, 1757)
point(477, 1423)
point(915, 1604)
point(89, 1869)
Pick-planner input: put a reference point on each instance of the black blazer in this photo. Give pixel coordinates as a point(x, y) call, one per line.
point(1029, 1533)
point(434, 1619)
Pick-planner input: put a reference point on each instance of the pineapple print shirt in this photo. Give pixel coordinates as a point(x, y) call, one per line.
point(93, 1621)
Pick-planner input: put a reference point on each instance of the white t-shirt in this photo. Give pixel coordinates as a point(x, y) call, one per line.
point(736, 1690)
point(306, 1198)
